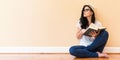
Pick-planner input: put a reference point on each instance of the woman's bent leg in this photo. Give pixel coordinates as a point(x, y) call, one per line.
point(80, 51)
point(99, 43)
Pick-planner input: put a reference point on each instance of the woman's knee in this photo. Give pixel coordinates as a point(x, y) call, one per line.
point(105, 33)
point(72, 50)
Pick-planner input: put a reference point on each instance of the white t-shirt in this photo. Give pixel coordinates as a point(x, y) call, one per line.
point(86, 40)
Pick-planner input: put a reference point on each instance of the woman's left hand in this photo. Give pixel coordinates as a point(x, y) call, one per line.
point(94, 33)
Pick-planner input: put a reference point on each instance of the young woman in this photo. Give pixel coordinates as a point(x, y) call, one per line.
point(89, 46)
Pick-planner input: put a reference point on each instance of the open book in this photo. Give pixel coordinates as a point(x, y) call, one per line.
point(93, 27)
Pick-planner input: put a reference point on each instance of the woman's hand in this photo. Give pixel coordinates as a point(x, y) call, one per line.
point(80, 33)
point(94, 33)
point(83, 30)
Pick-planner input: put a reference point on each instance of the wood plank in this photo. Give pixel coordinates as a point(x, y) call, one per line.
point(50, 56)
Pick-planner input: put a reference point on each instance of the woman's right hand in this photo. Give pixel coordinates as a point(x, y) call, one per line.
point(79, 33)
point(83, 30)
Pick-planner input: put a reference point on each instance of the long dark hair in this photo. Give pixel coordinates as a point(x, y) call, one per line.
point(83, 20)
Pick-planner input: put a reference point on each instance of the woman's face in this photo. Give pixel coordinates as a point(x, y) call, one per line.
point(87, 12)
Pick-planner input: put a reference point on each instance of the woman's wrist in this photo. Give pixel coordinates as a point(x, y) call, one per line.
point(83, 30)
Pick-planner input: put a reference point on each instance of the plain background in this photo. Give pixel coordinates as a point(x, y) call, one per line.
point(49, 23)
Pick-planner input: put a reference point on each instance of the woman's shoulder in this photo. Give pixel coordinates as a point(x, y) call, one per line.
point(98, 23)
point(78, 24)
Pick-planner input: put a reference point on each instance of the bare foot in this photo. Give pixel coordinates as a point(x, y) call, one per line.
point(102, 55)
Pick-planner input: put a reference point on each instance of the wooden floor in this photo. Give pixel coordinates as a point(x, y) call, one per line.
point(51, 57)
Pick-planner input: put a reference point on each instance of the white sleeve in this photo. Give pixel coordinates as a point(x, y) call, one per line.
point(98, 24)
point(78, 24)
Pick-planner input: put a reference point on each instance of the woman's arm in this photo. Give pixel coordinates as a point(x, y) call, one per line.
point(80, 33)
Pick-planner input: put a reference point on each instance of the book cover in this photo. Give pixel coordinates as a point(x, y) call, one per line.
point(93, 27)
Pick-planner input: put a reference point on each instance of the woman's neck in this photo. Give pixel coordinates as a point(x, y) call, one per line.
point(89, 20)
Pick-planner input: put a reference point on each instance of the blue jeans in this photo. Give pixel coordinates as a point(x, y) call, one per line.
point(90, 51)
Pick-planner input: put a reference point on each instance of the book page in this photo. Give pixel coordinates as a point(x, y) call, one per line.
point(93, 26)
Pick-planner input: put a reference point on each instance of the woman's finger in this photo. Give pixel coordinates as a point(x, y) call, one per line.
point(94, 32)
